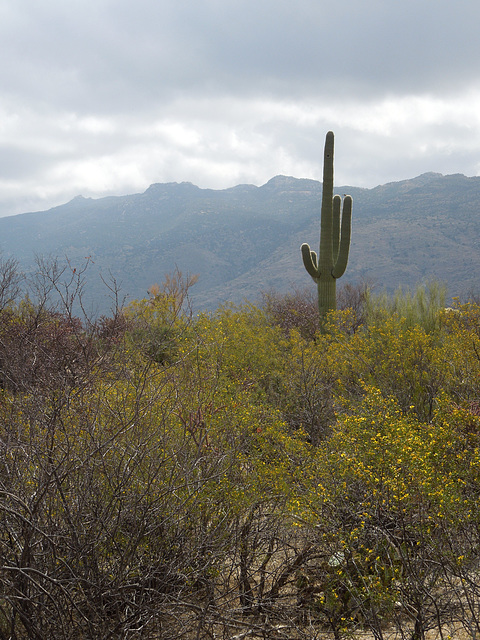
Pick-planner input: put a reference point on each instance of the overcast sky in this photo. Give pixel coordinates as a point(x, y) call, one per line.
point(102, 97)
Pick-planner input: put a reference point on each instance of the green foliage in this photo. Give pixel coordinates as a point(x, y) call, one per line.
point(154, 324)
point(334, 242)
point(422, 307)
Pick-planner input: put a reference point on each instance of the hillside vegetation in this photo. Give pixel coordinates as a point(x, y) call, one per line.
point(235, 474)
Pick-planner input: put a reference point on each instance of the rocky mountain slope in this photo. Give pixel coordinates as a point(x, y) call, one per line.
point(246, 239)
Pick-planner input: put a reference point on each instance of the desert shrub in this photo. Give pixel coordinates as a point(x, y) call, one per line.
point(154, 324)
point(296, 310)
point(386, 490)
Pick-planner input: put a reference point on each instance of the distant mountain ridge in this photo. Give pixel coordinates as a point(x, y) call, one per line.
point(246, 239)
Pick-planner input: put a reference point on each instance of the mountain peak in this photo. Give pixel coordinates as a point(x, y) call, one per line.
point(78, 198)
point(172, 187)
point(291, 184)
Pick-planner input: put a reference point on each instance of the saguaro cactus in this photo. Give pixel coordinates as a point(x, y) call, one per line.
point(334, 242)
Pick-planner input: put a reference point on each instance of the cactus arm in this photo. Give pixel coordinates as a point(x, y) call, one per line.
point(337, 203)
point(341, 263)
point(310, 261)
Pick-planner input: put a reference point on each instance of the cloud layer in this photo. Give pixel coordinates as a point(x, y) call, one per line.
point(109, 96)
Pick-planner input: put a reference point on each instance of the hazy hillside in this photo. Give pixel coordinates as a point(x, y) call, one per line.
point(246, 239)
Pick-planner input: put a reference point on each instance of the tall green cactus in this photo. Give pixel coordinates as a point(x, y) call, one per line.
point(334, 243)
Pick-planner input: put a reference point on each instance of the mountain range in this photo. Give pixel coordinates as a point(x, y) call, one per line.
point(245, 240)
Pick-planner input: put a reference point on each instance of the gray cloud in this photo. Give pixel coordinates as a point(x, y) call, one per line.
point(114, 54)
